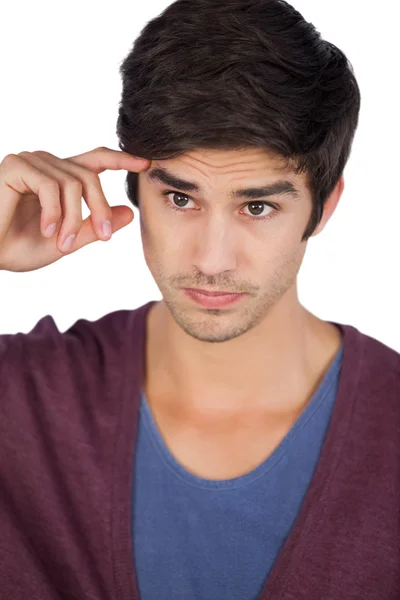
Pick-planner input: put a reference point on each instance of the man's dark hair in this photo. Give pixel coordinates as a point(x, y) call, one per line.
point(238, 74)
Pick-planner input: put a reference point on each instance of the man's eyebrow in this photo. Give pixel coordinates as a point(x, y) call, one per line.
point(162, 175)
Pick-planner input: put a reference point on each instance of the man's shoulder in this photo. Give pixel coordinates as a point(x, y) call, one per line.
point(90, 354)
point(379, 361)
point(371, 369)
point(46, 336)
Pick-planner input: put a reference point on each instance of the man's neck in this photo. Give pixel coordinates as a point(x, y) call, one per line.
point(276, 366)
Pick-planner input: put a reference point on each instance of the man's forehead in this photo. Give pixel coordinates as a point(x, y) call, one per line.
point(216, 161)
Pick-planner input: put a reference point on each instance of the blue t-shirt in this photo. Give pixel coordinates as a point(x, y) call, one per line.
point(217, 540)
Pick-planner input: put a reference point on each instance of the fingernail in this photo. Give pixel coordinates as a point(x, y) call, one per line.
point(50, 230)
point(67, 245)
point(107, 231)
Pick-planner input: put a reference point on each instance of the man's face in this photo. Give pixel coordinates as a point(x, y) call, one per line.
point(221, 242)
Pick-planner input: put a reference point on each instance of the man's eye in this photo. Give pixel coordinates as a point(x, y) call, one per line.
point(257, 206)
point(180, 196)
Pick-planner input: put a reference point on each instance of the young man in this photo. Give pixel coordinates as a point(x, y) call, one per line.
point(223, 443)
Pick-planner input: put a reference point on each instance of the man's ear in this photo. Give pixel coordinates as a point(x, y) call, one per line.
point(330, 206)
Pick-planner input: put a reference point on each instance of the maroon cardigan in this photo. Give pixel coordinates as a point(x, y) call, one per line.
point(68, 424)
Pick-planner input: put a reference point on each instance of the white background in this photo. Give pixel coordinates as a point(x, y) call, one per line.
point(60, 88)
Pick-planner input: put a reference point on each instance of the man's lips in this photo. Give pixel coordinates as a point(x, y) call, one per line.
point(213, 299)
